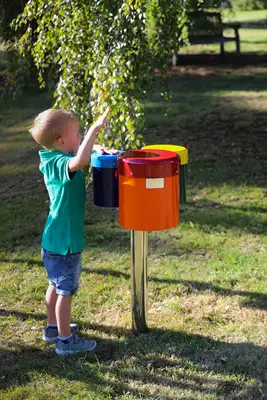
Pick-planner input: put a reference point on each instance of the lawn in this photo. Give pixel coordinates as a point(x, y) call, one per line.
point(207, 277)
point(253, 34)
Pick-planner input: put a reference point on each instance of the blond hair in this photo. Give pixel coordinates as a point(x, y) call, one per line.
point(49, 125)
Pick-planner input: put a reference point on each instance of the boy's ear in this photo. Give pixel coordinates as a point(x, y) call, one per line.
point(60, 141)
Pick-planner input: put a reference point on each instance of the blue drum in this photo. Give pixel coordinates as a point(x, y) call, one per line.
point(105, 179)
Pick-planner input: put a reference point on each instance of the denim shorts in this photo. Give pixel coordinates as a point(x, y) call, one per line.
point(63, 271)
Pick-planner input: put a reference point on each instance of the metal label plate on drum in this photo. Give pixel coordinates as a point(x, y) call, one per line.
point(154, 183)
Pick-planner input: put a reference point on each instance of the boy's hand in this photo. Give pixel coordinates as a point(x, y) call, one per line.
point(103, 150)
point(84, 152)
point(100, 122)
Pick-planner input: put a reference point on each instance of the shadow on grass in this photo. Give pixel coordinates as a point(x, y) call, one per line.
point(23, 316)
point(104, 234)
point(258, 24)
point(225, 79)
point(161, 360)
point(26, 261)
point(253, 299)
point(255, 43)
point(216, 217)
point(234, 60)
point(226, 137)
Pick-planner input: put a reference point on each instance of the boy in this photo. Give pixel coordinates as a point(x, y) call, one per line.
point(57, 131)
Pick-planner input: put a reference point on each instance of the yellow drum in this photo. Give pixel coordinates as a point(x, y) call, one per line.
point(183, 154)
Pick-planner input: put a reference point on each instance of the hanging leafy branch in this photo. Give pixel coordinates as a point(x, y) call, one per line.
point(101, 52)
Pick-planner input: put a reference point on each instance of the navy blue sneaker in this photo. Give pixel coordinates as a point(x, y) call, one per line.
point(50, 334)
point(74, 345)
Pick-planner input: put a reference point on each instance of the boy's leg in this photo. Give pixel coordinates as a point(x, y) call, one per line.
point(64, 273)
point(55, 266)
point(51, 300)
point(67, 343)
point(63, 314)
point(51, 330)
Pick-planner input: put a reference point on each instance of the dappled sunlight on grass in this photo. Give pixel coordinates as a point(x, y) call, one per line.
point(245, 15)
point(253, 100)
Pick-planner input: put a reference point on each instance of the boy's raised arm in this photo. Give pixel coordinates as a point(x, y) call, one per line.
point(84, 153)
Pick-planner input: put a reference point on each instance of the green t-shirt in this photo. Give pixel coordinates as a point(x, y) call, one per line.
point(64, 228)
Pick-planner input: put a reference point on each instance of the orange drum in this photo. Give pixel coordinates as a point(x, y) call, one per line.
point(148, 190)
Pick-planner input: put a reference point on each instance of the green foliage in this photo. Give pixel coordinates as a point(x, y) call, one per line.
point(103, 52)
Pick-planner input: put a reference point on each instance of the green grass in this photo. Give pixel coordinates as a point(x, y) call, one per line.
point(253, 34)
point(207, 277)
point(245, 16)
